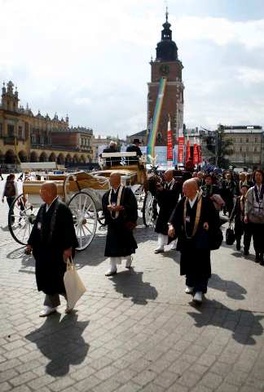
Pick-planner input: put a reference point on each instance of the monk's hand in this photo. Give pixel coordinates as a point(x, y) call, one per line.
point(28, 250)
point(67, 253)
point(171, 231)
point(205, 226)
point(119, 208)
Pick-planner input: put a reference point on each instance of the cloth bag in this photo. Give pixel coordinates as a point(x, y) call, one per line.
point(73, 284)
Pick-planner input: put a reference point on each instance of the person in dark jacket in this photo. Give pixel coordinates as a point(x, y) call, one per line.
point(212, 191)
point(167, 195)
point(10, 189)
point(238, 215)
point(134, 147)
point(119, 206)
point(254, 214)
point(228, 192)
point(52, 241)
point(112, 160)
point(194, 222)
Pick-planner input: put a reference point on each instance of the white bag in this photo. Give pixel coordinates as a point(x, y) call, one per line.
point(73, 285)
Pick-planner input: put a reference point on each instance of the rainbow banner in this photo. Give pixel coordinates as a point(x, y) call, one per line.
point(156, 118)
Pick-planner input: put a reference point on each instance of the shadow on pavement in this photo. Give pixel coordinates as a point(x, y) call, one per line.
point(94, 254)
point(27, 261)
point(61, 342)
point(130, 284)
point(5, 228)
point(242, 323)
point(231, 288)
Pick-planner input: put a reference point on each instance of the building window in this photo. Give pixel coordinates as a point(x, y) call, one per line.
point(20, 132)
point(10, 130)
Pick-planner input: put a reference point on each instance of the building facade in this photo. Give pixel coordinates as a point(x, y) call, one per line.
point(166, 73)
point(248, 145)
point(25, 137)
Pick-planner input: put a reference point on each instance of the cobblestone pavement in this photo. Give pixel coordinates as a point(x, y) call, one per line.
point(136, 331)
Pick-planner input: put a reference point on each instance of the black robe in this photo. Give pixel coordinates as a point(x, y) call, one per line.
point(195, 251)
point(120, 240)
point(52, 233)
point(167, 200)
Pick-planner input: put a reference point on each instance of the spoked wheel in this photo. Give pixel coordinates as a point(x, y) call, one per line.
point(150, 209)
point(84, 214)
point(21, 217)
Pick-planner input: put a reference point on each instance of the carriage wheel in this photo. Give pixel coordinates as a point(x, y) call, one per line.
point(85, 218)
point(21, 217)
point(150, 211)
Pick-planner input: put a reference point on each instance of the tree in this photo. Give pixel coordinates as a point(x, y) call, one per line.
point(223, 148)
point(219, 147)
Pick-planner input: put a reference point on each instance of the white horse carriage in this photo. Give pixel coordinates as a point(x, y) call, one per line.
point(82, 192)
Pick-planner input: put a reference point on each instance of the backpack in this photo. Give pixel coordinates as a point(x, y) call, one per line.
point(10, 189)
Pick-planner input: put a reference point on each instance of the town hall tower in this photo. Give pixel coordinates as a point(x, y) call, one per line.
point(166, 69)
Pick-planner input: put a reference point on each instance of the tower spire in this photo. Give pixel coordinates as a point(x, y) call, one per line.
point(166, 49)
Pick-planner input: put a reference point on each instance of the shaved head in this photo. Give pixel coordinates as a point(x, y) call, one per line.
point(190, 188)
point(48, 191)
point(168, 175)
point(115, 179)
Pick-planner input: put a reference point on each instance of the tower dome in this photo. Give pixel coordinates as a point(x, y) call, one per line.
point(166, 49)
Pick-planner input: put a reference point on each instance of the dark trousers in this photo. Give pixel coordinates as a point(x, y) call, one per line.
point(198, 284)
point(258, 237)
point(53, 300)
point(243, 230)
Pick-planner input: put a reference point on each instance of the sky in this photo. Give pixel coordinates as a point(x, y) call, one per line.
point(90, 59)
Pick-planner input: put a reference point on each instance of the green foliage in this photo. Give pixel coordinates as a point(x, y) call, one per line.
point(221, 147)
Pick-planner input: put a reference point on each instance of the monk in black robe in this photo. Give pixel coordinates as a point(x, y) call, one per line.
point(167, 195)
point(120, 210)
point(52, 241)
point(194, 222)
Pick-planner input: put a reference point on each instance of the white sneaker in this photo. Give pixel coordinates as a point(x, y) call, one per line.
point(128, 261)
point(160, 249)
point(198, 297)
point(47, 311)
point(173, 245)
point(189, 290)
point(111, 271)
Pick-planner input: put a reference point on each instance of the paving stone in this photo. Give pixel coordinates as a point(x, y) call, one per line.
point(136, 331)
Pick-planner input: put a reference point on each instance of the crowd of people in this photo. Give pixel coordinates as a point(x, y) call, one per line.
point(191, 208)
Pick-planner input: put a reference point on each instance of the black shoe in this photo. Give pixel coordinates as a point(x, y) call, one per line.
point(261, 260)
point(257, 258)
point(238, 246)
point(246, 252)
